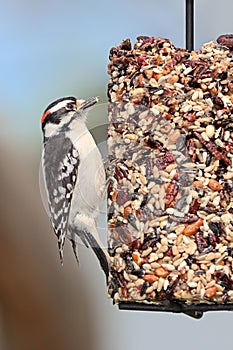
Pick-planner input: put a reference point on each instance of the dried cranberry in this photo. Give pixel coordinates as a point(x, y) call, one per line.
point(194, 206)
point(124, 234)
point(226, 40)
point(120, 173)
point(135, 244)
point(142, 61)
point(213, 148)
point(122, 197)
point(163, 161)
point(213, 240)
point(126, 45)
point(110, 188)
point(171, 193)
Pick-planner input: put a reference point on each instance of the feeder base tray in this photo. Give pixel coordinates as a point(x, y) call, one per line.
point(193, 310)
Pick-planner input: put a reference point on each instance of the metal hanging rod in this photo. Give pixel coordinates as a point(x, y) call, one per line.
point(189, 24)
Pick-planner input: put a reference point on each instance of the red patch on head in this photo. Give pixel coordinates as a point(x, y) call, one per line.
point(44, 116)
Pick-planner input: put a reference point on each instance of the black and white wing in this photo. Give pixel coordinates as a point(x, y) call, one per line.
point(60, 161)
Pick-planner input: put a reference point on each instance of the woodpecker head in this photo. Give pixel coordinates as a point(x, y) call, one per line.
point(60, 113)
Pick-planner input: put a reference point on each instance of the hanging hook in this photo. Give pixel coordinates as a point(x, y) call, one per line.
point(189, 24)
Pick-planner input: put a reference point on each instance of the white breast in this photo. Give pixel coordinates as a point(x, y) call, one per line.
point(88, 196)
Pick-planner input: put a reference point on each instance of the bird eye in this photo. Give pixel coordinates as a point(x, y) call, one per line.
point(70, 106)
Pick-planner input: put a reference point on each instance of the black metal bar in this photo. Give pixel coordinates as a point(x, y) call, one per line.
point(192, 310)
point(189, 24)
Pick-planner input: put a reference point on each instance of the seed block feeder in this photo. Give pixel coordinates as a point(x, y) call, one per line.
point(170, 170)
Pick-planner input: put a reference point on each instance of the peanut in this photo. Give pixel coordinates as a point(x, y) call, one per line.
point(161, 272)
point(150, 278)
point(191, 229)
point(137, 258)
point(215, 185)
point(210, 292)
point(127, 211)
point(197, 184)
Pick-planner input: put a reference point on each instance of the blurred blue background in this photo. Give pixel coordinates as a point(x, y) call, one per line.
point(51, 49)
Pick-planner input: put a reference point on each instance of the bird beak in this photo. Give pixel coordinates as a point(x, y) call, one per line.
point(88, 103)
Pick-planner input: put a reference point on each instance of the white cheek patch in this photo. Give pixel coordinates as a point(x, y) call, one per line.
point(51, 129)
